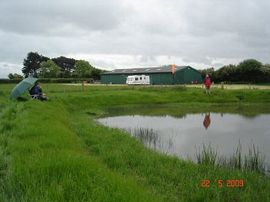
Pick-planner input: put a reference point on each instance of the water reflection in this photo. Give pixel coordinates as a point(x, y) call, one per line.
point(181, 135)
point(146, 136)
point(207, 120)
point(151, 139)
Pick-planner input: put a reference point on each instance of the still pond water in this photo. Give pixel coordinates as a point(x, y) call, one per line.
point(185, 135)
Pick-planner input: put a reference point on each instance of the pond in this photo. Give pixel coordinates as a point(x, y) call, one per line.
point(184, 136)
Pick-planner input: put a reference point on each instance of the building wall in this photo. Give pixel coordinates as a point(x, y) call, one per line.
point(113, 78)
point(192, 76)
point(178, 77)
point(187, 76)
point(161, 78)
point(184, 76)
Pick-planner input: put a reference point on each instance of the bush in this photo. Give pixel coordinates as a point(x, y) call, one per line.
point(65, 80)
point(2, 81)
point(51, 80)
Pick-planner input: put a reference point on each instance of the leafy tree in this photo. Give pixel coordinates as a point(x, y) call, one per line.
point(251, 70)
point(227, 73)
point(246, 71)
point(10, 76)
point(83, 68)
point(250, 65)
point(209, 71)
point(267, 66)
point(266, 73)
point(66, 65)
point(36, 64)
point(95, 73)
point(49, 69)
point(15, 76)
point(32, 63)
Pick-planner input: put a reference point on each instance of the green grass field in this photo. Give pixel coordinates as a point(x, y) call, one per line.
point(55, 150)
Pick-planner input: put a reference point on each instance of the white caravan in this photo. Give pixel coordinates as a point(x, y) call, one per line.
point(138, 79)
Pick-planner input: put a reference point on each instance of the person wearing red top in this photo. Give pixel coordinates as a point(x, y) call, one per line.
point(207, 120)
point(207, 83)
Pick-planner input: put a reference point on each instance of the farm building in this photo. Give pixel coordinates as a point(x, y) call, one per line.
point(158, 75)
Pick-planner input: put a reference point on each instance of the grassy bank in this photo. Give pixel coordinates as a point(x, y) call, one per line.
point(55, 151)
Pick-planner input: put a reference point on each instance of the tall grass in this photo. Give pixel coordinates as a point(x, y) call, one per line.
point(7, 117)
point(151, 139)
point(146, 136)
point(207, 156)
point(253, 161)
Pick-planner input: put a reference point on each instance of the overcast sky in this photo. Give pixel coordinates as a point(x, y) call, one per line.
point(135, 33)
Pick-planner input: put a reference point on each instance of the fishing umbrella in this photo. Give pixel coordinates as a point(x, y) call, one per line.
point(21, 87)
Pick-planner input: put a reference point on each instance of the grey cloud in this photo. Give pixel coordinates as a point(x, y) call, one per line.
point(203, 32)
point(217, 64)
point(52, 17)
point(145, 59)
point(203, 60)
point(6, 68)
point(242, 18)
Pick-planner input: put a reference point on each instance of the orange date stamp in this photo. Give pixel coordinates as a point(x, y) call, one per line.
point(231, 183)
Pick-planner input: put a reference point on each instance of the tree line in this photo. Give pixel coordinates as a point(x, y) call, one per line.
point(247, 71)
point(61, 67)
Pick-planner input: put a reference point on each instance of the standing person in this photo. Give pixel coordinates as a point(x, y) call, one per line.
point(207, 83)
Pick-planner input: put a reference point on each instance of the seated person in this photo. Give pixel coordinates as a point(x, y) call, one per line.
point(36, 92)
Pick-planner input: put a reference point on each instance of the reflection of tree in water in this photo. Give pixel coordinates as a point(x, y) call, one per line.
point(151, 139)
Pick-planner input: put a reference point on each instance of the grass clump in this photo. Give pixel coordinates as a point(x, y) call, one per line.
point(207, 156)
point(253, 161)
point(146, 136)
